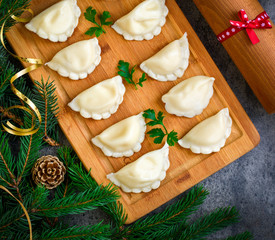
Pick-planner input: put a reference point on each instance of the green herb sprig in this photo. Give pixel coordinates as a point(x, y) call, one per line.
point(158, 133)
point(90, 15)
point(127, 74)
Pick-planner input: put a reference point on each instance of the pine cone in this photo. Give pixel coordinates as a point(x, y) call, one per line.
point(48, 171)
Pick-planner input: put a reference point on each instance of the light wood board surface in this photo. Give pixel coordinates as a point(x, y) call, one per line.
point(186, 168)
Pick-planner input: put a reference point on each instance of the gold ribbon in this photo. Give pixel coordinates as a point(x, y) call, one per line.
point(24, 209)
point(34, 112)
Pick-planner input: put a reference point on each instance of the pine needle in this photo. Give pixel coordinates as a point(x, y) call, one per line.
point(158, 225)
point(97, 232)
point(211, 223)
point(9, 7)
point(45, 99)
point(242, 236)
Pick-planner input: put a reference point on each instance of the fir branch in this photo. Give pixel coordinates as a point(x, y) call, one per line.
point(11, 116)
point(7, 97)
point(209, 224)
point(8, 7)
point(31, 201)
point(117, 214)
point(65, 154)
point(81, 179)
point(158, 225)
point(78, 203)
point(97, 232)
point(242, 236)
point(4, 55)
point(3, 181)
point(45, 99)
point(28, 154)
point(7, 162)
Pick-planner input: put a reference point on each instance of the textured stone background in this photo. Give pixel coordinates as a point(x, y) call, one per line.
point(249, 182)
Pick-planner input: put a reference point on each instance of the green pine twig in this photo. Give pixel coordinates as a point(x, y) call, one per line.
point(210, 223)
point(10, 116)
point(242, 236)
point(8, 7)
point(117, 213)
point(14, 216)
point(78, 203)
point(98, 232)
point(45, 99)
point(28, 154)
point(163, 224)
point(7, 161)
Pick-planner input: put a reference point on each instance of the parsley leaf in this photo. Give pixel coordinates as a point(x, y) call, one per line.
point(127, 73)
point(157, 133)
point(142, 79)
point(104, 17)
point(149, 113)
point(90, 15)
point(172, 138)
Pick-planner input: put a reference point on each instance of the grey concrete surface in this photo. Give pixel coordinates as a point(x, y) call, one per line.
point(249, 182)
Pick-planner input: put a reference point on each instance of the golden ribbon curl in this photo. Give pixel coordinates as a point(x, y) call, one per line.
point(9, 127)
point(24, 209)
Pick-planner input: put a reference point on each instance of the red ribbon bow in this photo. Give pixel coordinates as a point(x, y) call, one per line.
point(259, 22)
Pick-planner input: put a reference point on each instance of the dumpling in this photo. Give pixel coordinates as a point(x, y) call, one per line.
point(123, 138)
point(100, 100)
point(57, 22)
point(144, 21)
point(209, 135)
point(77, 60)
point(189, 97)
point(170, 62)
point(145, 173)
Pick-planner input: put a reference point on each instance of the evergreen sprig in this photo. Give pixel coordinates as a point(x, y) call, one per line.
point(7, 161)
point(97, 232)
point(78, 202)
point(243, 236)
point(210, 223)
point(7, 97)
point(165, 223)
point(45, 99)
point(117, 213)
point(8, 7)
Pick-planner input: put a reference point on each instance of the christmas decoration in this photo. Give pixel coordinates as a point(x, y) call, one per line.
point(48, 171)
point(261, 21)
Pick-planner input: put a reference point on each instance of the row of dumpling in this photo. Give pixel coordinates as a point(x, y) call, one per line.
point(76, 61)
point(59, 21)
point(125, 137)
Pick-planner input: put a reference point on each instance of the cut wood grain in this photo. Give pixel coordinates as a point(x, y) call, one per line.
point(255, 62)
point(186, 168)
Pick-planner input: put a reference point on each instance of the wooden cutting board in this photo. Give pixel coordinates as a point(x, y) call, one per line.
point(186, 168)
